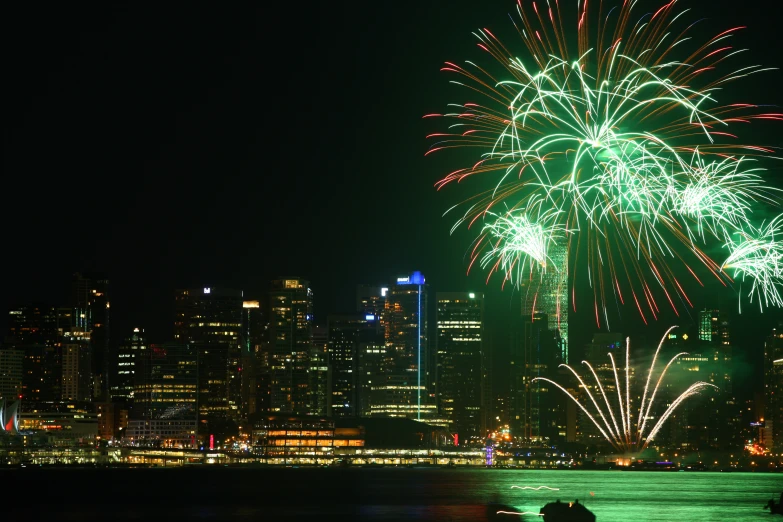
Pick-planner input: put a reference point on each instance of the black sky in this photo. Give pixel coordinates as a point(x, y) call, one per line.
point(194, 144)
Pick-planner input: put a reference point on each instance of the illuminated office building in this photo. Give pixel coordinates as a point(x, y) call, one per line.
point(371, 299)
point(320, 382)
point(370, 366)
point(547, 293)
point(251, 373)
point(708, 421)
point(290, 331)
point(210, 319)
point(11, 360)
point(461, 363)
point(78, 382)
point(165, 397)
point(37, 331)
point(128, 353)
point(401, 390)
point(350, 334)
point(714, 327)
point(33, 325)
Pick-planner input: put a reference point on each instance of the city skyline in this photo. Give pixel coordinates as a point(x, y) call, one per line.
point(166, 159)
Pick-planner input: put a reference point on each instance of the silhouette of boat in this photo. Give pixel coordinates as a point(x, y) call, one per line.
point(566, 512)
point(775, 509)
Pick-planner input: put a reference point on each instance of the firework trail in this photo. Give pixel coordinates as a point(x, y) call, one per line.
point(608, 136)
point(632, 436)
point(757, 254)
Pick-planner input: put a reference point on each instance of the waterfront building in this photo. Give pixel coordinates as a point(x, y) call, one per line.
point(300, 439)
point(112, 419)
point(461, 363)
point(61, 428)
point(290, 324)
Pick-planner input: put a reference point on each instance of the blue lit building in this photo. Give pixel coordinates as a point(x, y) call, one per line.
point(401, 390)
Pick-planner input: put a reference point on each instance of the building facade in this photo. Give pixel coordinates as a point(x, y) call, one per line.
point(537, 413)
point(210, 319)
point(90, 301)
point(401, 389)
point(165, 409)
point(129, 351)
point(350, 334)
point(461, 363)
point(290, 331)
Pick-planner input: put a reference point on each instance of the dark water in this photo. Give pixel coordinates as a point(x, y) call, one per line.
point(385, 494)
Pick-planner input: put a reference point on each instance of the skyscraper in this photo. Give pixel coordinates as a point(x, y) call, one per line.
point(251, 372)
point(708, 421)
point(129, 351)
point(90, 301)
point(714, 327)
point(537, 414)
point(597, 353)
point(461, 361)
point(402, 389)
point(210, 319)
point(320, 373)
point(290, 323)
point(547, 293)
point(348, 335)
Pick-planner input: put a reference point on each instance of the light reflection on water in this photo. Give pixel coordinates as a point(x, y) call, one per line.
point(390, 494)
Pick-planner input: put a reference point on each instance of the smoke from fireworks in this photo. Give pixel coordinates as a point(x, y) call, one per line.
point(629, 433)
point(620, 151)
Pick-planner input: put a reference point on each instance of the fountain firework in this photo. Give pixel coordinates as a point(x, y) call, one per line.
point(627, 436)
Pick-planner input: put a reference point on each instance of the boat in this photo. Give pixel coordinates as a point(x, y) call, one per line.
point(566, 512)
point(775, 509)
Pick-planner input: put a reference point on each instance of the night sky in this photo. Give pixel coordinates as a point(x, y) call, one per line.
point(189, 145)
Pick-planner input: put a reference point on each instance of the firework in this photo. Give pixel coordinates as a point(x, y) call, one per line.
point(757, 254)
point(618, 150)
point(628, 436)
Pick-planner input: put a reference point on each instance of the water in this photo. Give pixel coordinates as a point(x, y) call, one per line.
point(380, 494)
